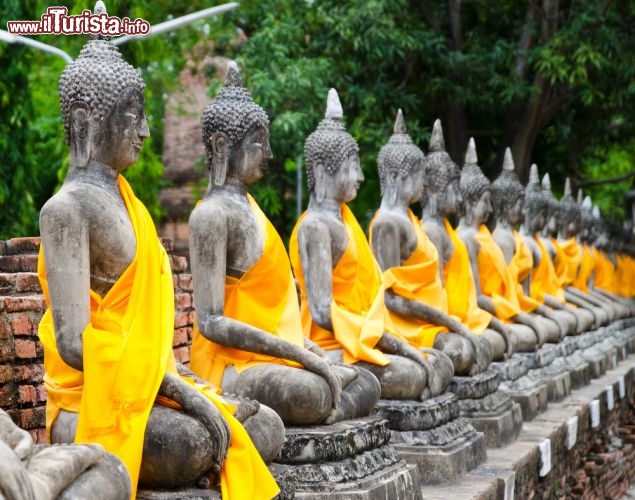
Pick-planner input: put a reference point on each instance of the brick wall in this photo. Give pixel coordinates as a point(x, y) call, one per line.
point(22, 393)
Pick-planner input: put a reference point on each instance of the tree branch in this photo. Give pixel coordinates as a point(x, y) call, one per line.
point(607, 180)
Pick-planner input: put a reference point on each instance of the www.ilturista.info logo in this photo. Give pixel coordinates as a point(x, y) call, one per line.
point(56, 21)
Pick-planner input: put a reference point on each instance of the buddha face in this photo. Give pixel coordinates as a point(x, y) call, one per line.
point(451, 198)
point(412, 183)
point(248, 161)
point(553, 222)
point(537, 220)
point(483, 207)
point(119, 138)
point(343, 186)
point(516, 214)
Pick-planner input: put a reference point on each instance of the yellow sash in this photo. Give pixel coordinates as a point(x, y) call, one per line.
point(265, 298)
point(544, 279)
point(581, 281)
point(416, 279)
point(520, 267)
point(496, 280)
point(460, 287)
point(567, 261)
point(604, 277)
point(626, 272)
point(127, 348)
point(357, 308)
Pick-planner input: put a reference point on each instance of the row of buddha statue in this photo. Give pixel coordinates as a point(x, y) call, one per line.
point(395, 315)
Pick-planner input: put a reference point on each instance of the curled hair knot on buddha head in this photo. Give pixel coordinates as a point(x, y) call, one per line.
point(399, 155)
point(440, 170)
point(330, 145)
point(506, 189)
point(473, 182)
point(96, 79)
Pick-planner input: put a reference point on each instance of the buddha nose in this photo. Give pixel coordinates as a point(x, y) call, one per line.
point(144, 130)
point(267, 153)
point(360, 173)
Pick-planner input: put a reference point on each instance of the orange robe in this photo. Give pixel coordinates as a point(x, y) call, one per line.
point(127, 351)
point(265, 298)
point(460, 287)
point(496, 280)
point(585, 272)
point(357, 306)
point(544, 279)
point(605, 276)
point(567, 261)
point(520, 268)
point(416, 279)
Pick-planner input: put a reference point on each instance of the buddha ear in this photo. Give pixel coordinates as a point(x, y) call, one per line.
point(80, 140)
point(219, 142)
point(320, 183)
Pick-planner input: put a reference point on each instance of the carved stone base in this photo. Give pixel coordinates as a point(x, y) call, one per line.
point(350, 459)
point(530, 394)
point(510, 369)
point(188, 494)
point(406, 415)
point(476, 386)
point(578, 368)
point(496, 415)
point(598, 361)
point(558, 383)
point(443, 454)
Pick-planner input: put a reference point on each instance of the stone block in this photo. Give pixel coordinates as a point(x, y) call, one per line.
point(28, 283)
point(532, 398)
point(403, 415)
point(475, 386)
point(499, 429)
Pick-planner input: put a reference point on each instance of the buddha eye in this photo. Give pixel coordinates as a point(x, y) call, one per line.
point(131, 115)
point(258, 144)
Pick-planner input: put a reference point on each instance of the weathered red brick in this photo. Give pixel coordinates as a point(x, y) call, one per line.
point(25, 349)
point(179, 264)
point(27, 245)
point(21, 325)
point(40, 393)
point(6, 353)
point(168, 244)
point(183, 301)
point(33, 418)
point(23, 303)
point(33, 373)
point(28, 282)
point(182, 336)
point(182, 354)
point(182, 319)
point(7, 395)
point(38, 436)
point(10, 263)
point(6, 374)
point(26, 394)
point(7, 282)
point(5, 327)
point(185, 282)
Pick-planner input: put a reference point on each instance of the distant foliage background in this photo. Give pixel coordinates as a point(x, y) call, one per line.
point(553, 79)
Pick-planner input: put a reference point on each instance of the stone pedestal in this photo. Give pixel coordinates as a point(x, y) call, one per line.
point(431, 435)
point(348, 460)
point(529, 393)
point(554, 375)
point(488, 409)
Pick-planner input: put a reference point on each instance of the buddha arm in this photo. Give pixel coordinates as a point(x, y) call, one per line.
point(208, 261)
point(590, 299)
point(482, 300)
point(65, 239)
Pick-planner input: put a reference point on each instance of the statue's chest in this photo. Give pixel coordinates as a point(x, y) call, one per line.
point(245, 239)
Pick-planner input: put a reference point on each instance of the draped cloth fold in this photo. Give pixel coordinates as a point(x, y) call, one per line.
point(520, 268)
point(264, 297)
point(494, 275)
point(567, 261)
point(357, 306)
point(544, 279)
point(127, 350)
point(459, 285)
point(416, 279)
point(585, 272)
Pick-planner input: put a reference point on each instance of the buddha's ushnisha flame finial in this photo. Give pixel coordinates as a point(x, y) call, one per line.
point(587, 204)
point(580, 197)
point(400, 124)
point(567, 187)
point(596, 212)
point(506, 189)
point(436, 139)
point(470, 155)
point(232, 78)
point(533, 175)
point(546, 183)
point(334, 109)
point(100, 8)
point(508, 161)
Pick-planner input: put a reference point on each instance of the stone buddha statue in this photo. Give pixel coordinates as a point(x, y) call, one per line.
point(415, 299)
point(442, 199)
point(107, 335)
point(341, 284)
point(542, 283)
point(508, 200)
point(249, 338)
point(496, 291)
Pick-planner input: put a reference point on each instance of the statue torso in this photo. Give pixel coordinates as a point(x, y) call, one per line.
point(438, 235)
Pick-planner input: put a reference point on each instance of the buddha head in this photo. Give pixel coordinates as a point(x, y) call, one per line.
point(103, 108)
point(587, 222)
point(536, 203)
point(332, 157)
point(569, 213)
point(400, 165)
point(475, 189)
point(553, 207)
point(441, 193)
point(235, 134)
point(508, 194)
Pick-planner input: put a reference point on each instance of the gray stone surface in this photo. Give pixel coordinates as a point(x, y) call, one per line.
point(531, 395)
point(475, 387)
point(510, 369)
point(406, 415)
